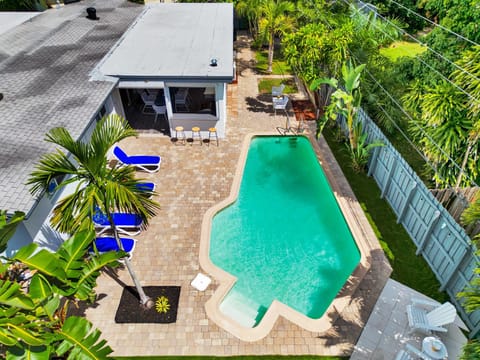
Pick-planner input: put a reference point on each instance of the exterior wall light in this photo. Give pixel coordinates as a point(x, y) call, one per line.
point(213, 62)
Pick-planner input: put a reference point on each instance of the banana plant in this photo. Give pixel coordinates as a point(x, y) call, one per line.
point(32, 318)
point(361, 153)
point(345, 100)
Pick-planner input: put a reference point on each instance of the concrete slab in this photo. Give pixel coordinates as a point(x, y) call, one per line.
point(387, 331)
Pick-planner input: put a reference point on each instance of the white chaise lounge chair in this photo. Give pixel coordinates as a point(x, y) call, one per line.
point(149, 163)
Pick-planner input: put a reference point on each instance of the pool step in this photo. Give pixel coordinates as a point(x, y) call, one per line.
point(240, 308)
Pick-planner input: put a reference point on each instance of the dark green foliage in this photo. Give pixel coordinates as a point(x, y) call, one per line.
point(394, 11)
point(471, 351)
point(22, 5)
point(249, 357)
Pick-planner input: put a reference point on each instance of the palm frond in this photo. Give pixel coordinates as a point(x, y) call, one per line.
point(110, 130)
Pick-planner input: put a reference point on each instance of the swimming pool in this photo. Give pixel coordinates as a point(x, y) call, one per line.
point(284, 237)
point(280, 244)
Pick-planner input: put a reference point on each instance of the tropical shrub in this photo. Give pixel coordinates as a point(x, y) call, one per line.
point(36, 289)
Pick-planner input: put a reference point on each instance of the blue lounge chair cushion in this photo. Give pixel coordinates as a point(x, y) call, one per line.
point(136, 159)
point(120, 219)
point(148, 186)
point(105, 244)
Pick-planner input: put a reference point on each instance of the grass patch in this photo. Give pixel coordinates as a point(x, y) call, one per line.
point(251, 357)
point(279, 65)
point(400, 49)
point(408, 268)
point(265, 85)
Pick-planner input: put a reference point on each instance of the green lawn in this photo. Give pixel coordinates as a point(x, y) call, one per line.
point(408, 268)
point(279, 66)
point(265, 85)
point(264, 357)
point(402, 49)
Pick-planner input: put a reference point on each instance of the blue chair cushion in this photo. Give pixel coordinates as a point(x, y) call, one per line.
point(148, 186)
point(135, 159)
point(120, 154)
point(105, 244)
point(120, 219)
point(100, 218)
point(142, 160)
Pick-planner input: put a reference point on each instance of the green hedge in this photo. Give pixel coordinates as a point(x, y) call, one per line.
point(23, 5)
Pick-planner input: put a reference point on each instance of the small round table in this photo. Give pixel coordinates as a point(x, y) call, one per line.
point(428, 348)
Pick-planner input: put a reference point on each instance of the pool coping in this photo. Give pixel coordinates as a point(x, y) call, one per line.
point(362, 234)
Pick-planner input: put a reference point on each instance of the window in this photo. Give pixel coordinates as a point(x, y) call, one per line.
point(193, 100)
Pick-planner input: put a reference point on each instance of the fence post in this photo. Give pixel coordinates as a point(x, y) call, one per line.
point(389, 178)
point(373, 161)
point(407, 202)
point(421, 245)
point(457, 265)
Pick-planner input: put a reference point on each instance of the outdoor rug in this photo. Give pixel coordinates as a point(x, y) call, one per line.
point(164, 310)
point(304, 107)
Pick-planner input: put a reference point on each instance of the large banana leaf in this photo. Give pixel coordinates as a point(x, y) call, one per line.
point(43, 260)
point(72, 254)
point(81, 342)
point(29, 353)
point(85, 284)
point(7, 229)
point(16, 327)
point(11, 294)
point(39, 287)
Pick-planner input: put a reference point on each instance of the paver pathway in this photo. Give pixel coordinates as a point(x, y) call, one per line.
point(191, 180)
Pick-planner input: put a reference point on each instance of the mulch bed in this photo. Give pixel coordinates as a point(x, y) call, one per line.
point(130, 311)
point(304, 107)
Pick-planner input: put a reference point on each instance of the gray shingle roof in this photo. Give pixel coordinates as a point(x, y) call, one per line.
point(46, 84)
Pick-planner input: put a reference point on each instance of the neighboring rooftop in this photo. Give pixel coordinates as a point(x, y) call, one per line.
point(45, 83)
point(176, 41)
point(10, 19)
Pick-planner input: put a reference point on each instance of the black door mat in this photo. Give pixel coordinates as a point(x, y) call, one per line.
point(164, 310)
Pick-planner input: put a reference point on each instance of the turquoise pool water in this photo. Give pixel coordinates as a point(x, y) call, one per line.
point(285, 237)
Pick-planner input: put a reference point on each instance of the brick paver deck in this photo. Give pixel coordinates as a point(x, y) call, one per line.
point(191, 180)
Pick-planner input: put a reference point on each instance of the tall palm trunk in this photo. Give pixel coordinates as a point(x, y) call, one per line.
point(270, 52)
point(145, 300)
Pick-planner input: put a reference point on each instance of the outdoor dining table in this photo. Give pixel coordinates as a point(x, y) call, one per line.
point(434, 348)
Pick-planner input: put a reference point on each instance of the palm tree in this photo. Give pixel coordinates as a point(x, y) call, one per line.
point(98, 187)
point(274, 20)
point(249, 9)
point(469, 80)
point(444, 131)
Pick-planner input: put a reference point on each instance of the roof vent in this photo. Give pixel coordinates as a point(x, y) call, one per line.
point(92, 13)
point(213, 62)
point(1, 96)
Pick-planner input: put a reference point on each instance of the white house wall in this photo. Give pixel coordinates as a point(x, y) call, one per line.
point(37, 227)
